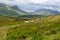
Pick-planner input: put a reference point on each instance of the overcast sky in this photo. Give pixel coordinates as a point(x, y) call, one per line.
point(30, 1)
point(31, 4)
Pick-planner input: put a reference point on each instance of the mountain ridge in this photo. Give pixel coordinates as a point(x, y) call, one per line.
point(6, 10)
point(14, 11)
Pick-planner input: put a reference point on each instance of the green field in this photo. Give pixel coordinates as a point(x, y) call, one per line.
point(45, 28)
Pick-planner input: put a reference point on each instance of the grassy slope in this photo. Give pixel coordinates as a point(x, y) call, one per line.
point(5, 11)
point(5, 21)
point(9, 11)
point(47, 28)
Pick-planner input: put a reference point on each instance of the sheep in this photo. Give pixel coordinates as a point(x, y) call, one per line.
point(26, 21)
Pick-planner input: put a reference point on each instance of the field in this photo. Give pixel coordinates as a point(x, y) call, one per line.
point(44, 28)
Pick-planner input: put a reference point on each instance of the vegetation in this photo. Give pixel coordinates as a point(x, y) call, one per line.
point(9, 11)
point(45, 28)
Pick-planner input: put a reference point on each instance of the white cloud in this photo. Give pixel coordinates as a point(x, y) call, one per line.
point(8, 2)
point(30, 1)
point(24, 4)
point(38, 1)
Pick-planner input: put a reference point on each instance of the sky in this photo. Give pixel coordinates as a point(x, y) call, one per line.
point(32, 5)
point(29, 1)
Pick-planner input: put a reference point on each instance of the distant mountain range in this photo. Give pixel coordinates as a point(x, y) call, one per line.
point(46, 12)
point(14, 11)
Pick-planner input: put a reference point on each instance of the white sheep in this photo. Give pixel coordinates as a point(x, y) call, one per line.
point(26, 21)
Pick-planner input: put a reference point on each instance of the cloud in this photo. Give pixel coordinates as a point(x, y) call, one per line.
point(34, 4)
point(24, 2)
point(11, 2)
point(38, 1)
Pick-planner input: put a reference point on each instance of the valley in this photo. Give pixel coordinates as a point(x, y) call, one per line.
point(47, 28)
point(17, 24)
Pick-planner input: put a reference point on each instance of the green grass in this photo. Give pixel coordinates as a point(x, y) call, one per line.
point(47, 28)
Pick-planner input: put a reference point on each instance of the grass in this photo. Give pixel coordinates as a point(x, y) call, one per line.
point(47, 28)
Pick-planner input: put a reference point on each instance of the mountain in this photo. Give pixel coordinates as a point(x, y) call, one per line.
point(6, 10)
point(41, 11)
point(34, 6)
point(16, 8)
point(46, 12)
point(14, 11)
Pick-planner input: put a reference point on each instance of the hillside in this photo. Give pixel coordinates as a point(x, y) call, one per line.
point(45, 28)
point(6, 10)
point(6, 21)
point(46, 12)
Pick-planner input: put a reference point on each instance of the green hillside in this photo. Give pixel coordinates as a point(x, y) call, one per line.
point(6, 10)
point(45, 28)
point(6, 21)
